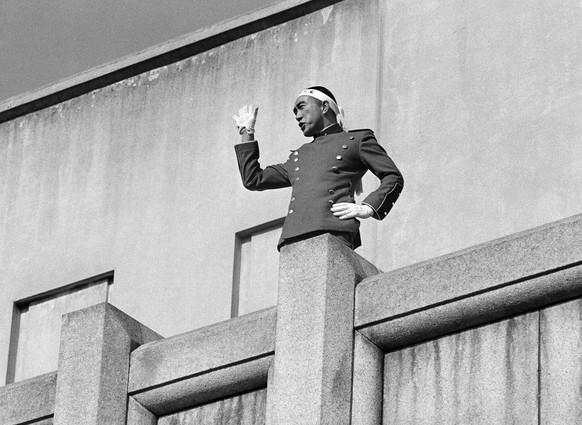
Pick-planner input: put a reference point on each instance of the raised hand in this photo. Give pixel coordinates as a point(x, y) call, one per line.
point(246, 119)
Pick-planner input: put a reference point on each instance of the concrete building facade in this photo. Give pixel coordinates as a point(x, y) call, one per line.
point(122, 182)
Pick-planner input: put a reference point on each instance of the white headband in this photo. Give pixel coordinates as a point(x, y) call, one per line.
point(325, 98)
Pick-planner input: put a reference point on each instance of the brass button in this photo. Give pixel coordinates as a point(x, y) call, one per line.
point(339, 157)
point(334, 169)
point(296, 178)
point(296, 159)
point(295, 153)
point(344, 146)
point(351, 138)
point(290, 211)
point(330, 202)
point(296, 168)
point(292, 199)
point(331, 191)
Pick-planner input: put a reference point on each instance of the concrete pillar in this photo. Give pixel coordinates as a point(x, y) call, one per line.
point(312, 376)
point(94, 365)
point(368, 382)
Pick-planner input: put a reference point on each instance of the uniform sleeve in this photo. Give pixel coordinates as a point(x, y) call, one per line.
point(378, 162)
point(253, 176)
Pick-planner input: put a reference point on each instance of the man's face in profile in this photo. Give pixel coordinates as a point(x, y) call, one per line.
point(309, 114)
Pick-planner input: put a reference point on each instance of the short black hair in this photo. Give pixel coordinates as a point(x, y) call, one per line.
point(323, 90)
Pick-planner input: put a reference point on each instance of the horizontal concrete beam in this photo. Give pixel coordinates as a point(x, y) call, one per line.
point(205, 364)
point(28, 401)
point(476, 310)
point(519, 273)
point(158, 56)
point(216, 384)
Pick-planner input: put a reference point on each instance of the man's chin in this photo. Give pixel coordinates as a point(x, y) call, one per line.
point(307, 133)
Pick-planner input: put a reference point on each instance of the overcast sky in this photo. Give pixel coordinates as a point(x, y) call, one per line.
point(43, 41)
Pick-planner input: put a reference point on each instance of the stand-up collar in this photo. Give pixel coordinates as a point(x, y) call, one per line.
point(330, 129)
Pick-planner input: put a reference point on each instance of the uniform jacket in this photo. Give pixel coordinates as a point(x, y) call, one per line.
point(322, 173)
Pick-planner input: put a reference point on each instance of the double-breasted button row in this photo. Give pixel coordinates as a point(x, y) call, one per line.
point(292, 200)
point(339, 158)
point(291, 209)
point(331, 192)
point(335, 169)
point(295, 153)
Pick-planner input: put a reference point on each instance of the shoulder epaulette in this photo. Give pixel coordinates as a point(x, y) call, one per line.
point(360, 129)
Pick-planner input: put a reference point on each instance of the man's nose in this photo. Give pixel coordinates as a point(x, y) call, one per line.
point(298, 116)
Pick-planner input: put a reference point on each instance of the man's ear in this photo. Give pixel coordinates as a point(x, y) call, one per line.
point(325, 106)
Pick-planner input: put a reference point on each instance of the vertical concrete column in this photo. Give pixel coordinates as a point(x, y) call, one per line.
point(368, 382)
point(312, 376)
point(94, 365)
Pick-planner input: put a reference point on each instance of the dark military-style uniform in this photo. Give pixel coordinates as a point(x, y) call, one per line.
point(322, 173)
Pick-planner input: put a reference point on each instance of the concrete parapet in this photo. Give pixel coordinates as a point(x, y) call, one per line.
point(94, 365)
point(312, 377)
point(499, 279)
point(203, 365)
point(331, 351)
point(29, 401)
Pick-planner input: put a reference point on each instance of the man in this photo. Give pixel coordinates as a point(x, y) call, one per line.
point(323, 173)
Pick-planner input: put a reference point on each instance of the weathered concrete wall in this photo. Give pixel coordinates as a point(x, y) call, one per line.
point(483, 376)
point(560, 366)
point(521, 371)
point(478, 103)
point(482, 106)
point(246, 409)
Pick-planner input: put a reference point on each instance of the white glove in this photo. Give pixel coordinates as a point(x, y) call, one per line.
point(247, 117)
point(346, 210)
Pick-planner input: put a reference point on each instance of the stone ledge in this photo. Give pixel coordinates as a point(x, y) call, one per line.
point(476, 310)
point(202, 350)
point(29, 400)
point(483, 267)
point(213, 385)
point(505, 277)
